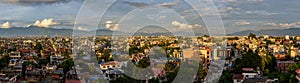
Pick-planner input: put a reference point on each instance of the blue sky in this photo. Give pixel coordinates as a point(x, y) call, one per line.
point(237, 15)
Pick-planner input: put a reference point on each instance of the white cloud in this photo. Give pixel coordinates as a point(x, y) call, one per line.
point(82, 28)
point(183, 25)
point(162, 16)
point(287, 25)
point(207, 9)
point(170, 4)
point(271, 24)
point(229, 8)
point(45, 23)
point(241, 23)
point(284, 25)
point(5, 25)
point(256, 0)
point(112, 26)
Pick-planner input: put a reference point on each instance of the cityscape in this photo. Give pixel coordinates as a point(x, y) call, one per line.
point(250, 59)
point(149, 41)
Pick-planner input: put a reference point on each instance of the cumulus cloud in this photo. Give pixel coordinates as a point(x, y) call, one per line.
point(170, 4)
point(5, 25)
point(207, 9)
point(284, 25)
point(162, 16)
point(82, 28)
point(111, 26)
point(183, 25)
point(241, 23)
point(142, 4)
point(187, 11)
point(287, 24)
point(45, 23)
point(271, 24)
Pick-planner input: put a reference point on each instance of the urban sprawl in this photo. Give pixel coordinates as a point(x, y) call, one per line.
point(246, 59)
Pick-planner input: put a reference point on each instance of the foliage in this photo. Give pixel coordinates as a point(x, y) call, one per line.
point(226, 77)
point(251, 35)
point(143, 63)
point(249, 60)
point(66, 65)
point(38, 46)
point(4, 61)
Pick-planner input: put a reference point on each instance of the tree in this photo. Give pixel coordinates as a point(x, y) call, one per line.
point(66, 65)
point(143, 63)
point(4, 61)
point(249, 60)
point(265, 59)
point(43, 61)
point(226, 77)
point(66, 54)
point(251, 35)
point(38, 46)
point(201, 73)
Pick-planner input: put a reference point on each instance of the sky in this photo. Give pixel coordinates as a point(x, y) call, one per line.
point(127, 15)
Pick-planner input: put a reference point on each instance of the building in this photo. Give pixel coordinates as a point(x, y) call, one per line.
point(294, 52)
point(206, 53)
point(191, 54)
point(5, 78)
point(249, 73)
point(176, 54)
point(238, 78)
point(218, 52)
point(15, 55)
point(110, 65)
point(56, 59)
point(283, 66)
point(57, 74)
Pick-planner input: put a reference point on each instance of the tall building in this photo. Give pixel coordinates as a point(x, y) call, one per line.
point(206, 52)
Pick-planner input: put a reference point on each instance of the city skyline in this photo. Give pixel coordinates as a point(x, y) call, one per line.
point(237, 15)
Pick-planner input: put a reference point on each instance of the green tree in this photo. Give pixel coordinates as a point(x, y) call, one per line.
point(249, 60)
point(38, 46)
point(226, 77)
point(201, 73)
point(66, 65)
point(4, 61)
point(66, 54)
point(251, 35)
point(143, 63)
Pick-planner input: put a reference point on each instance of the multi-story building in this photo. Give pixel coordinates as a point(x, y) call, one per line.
point(283, 66)
point(206, 53)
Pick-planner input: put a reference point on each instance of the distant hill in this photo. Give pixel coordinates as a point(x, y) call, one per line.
point(34, 31)
point(273, 32)
point(40, 31)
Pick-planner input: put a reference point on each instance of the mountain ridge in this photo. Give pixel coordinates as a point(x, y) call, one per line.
point(40, 31)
